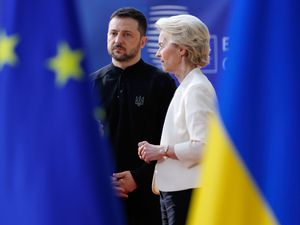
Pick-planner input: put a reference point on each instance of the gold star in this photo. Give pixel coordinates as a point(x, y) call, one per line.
point(7, 49)
point(66, 64)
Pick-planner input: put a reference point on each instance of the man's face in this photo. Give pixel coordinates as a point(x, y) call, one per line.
point(124, 40)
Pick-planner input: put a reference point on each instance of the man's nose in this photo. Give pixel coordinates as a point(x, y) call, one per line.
point(119, 38)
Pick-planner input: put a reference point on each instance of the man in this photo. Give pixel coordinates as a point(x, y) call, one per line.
point(136, 97)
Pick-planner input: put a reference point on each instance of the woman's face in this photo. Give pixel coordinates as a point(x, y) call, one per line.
point(168, 53)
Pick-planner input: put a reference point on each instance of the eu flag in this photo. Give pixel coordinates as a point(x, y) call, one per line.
point(252, 172)
point(54, 168)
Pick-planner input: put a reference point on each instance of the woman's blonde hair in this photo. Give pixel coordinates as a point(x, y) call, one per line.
point(189, 32)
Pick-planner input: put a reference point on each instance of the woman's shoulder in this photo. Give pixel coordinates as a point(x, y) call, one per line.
point(199, 84)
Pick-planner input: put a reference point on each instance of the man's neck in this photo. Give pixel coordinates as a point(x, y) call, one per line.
point(124, 65)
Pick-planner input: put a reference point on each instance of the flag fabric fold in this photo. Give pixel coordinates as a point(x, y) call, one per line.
point(251, 170)
point(54, 167)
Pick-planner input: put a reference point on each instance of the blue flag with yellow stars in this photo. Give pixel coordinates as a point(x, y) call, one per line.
point(54, 167)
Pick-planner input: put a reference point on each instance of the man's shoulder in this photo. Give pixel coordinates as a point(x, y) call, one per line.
point(100, 73)
point(153, 69)
point(158, 73)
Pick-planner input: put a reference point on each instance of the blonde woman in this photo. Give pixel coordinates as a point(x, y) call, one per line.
point(183, 50)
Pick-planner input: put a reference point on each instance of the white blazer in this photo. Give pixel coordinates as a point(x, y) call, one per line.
point(185, 127)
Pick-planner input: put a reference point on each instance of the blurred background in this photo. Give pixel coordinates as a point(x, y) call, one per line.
point(94, 18)
point(49, 140)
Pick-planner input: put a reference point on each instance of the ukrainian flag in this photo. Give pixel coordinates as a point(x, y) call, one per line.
point(251, 173)
point(54, 167)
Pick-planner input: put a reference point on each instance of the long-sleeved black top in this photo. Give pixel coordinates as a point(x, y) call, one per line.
point(136, 101)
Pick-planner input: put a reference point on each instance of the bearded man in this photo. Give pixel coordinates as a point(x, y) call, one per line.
point(135, 96)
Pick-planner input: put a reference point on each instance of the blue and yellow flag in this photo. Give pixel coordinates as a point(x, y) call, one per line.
point(251, 173)
point(54, 168)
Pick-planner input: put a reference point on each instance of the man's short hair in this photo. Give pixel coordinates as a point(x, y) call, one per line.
point(129, 12)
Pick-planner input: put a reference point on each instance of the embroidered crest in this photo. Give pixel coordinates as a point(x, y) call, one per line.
point(139, 100)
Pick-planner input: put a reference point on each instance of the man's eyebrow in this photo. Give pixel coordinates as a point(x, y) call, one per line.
point(113, 29)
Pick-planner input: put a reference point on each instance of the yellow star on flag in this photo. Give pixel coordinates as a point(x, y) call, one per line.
point(7, 49)
point(66, 64)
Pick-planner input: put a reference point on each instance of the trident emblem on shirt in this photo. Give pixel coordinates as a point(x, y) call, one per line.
point(139, 100)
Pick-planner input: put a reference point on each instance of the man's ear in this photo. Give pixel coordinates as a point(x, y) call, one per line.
point(144, 40)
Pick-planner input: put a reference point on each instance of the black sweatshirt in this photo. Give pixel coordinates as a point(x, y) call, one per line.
point(136, 101)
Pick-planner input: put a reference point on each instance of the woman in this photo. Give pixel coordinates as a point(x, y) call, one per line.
point(183, 50)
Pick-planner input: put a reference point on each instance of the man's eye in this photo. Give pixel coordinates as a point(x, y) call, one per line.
point(113, 33)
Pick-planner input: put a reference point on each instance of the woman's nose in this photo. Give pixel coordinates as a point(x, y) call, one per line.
point(158, 53)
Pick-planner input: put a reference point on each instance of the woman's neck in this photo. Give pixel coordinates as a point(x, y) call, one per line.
point(183, 70)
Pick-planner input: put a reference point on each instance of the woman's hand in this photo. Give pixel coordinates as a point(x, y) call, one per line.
point(149, 152)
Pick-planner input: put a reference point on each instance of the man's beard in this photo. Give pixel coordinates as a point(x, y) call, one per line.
point(124, 57)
